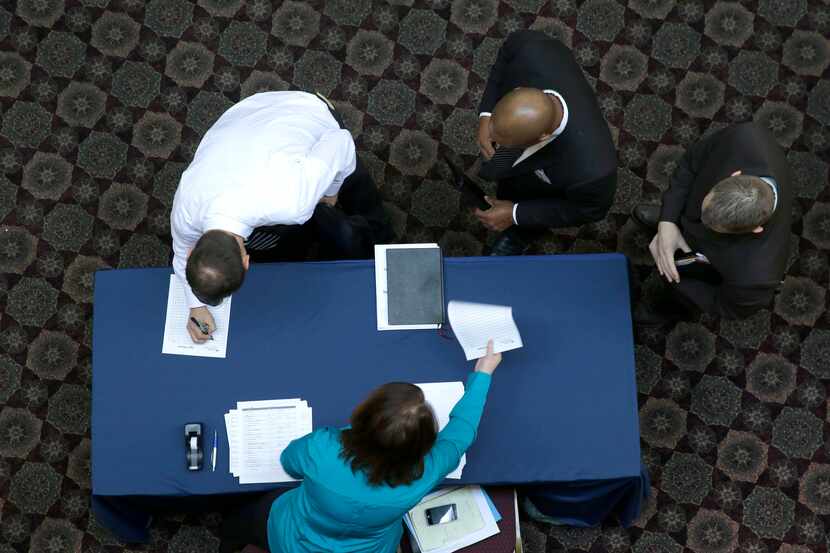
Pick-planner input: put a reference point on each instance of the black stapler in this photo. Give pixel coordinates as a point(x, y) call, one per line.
point(193, 445)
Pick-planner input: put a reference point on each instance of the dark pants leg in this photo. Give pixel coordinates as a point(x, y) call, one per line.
point(672, 302)
point(357, 223)
point(249, 525)
point(293, 245)
point(703, 272)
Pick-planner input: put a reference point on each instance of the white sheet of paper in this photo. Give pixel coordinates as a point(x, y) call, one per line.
point(265, 431)
point(476, 323)
point(381, 292)
point(475, 520)
point(232, 430)
point(177, 340)
point(294, 401)
point(442, 397)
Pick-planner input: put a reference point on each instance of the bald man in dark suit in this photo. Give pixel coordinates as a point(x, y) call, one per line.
point(545, 142)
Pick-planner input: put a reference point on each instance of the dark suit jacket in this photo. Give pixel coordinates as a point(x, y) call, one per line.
point(750, 265)
point(581, 163)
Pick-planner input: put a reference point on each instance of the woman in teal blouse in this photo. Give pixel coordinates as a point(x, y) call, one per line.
point(359, 481)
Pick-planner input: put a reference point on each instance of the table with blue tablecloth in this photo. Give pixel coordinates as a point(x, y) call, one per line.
point(561, 418)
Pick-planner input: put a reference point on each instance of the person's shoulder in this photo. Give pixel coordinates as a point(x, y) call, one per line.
point(528, 36)
point(750, 145)
point(747, 134)
point(327, 437)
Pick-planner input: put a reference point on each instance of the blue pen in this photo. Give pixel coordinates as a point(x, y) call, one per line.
point(213, 457)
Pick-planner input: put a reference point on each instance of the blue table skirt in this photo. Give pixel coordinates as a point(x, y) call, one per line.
point(589, 503)
point(562, 410)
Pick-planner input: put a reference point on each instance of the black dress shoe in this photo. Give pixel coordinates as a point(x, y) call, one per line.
point(659, 315)
point(647, 316)
point(509, 243)
point(647, 215)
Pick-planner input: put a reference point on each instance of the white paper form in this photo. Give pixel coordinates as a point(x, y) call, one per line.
point(266, 429)
point(177, 340)
point(381, 292)
point(442, 397)
point(476, 323)
point(232, 430)
point(233, 425)
point(475, 520)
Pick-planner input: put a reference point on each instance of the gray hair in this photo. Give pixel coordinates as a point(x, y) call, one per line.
point(738, 204)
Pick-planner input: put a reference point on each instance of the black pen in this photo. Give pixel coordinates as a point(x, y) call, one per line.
point(203, 327)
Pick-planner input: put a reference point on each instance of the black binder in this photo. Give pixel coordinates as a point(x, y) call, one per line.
point(415, 286)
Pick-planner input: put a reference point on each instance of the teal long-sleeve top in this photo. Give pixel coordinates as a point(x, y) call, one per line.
point(335, 509)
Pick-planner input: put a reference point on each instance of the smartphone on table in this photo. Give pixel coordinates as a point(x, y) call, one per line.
point(441, 514)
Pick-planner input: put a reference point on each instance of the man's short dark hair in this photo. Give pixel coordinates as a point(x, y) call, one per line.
point(214, 268)
point(738, 204)
point(391, 433)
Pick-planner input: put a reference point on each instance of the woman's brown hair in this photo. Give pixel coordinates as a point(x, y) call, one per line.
point(391, 433)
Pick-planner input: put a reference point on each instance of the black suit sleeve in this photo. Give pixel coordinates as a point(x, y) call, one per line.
point(674, 199)
point(580, 204)
point(730, 301)
point(507, 52)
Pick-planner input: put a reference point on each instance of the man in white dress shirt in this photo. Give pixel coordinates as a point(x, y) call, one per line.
point(554, 160)
point(272, 162)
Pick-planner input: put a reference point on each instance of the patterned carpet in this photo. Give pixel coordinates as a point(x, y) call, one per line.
point(104, 101)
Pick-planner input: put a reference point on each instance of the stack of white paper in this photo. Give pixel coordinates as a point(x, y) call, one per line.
point(442, 397)
point(177, 340)
point(258, 432)
point(475, 521)
point(476, 323)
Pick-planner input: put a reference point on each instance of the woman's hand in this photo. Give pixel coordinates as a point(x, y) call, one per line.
point(490, 361)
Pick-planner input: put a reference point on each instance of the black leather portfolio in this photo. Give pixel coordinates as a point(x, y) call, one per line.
point(415, 286)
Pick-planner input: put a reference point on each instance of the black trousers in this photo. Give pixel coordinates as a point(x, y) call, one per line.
point(249, 525)
point(703, 272)
point(672, 301)
point(346, 231)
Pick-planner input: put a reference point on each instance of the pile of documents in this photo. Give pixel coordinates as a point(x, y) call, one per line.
point(477, 520)
point(258, 432)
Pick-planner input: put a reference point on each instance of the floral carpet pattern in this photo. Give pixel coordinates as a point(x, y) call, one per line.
point(103, 103)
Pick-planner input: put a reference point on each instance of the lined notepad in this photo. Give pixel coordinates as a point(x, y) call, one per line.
point(474, 324)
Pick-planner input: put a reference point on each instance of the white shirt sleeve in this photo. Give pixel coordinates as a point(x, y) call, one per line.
point(485, 114)
point(331, 160)
point(515, 207)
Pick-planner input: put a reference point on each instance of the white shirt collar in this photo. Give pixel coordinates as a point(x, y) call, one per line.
point(530, 150)
point(772, 184)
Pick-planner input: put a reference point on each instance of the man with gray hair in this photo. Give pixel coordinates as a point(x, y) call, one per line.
point(723, 231)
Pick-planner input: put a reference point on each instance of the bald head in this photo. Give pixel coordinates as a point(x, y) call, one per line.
point(524, 116)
